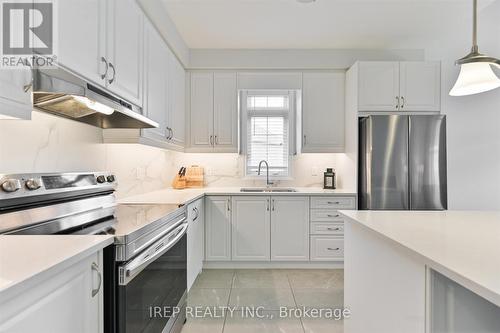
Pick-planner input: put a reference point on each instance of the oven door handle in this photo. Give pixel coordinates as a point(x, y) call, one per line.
point(132, 269)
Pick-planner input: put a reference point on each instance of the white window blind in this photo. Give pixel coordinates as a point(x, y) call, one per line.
point(268, 122)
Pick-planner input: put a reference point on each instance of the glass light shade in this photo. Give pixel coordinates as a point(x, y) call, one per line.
point(96, 106)
point(475, 78)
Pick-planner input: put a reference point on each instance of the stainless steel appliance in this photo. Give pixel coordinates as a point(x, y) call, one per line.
point(68, 95)
point(146, 266)
point(402, 162)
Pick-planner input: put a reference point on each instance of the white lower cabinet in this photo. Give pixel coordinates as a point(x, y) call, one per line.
point(275, 228)
point(218, 228)
point(326, 248)
point(67, 301)
point(195, 240)
point(251, 228)
point(289, 228)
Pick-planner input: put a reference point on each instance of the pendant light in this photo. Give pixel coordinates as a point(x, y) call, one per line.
point(476, 75)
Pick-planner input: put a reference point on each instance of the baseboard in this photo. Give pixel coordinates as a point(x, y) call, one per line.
point(272, 264)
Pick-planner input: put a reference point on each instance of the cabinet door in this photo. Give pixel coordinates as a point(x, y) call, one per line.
point(155, 83)
point(289, 228)
point(218, 228)
point(250, 228)
point(82, 35)
point(195, 241)
point(323, 112)
point(62, 303)
point(14, 101)
point(225, 113)
point(125, 49)
point(177, 93)
point(420, 86)
point(378, 86)
point(202, 110)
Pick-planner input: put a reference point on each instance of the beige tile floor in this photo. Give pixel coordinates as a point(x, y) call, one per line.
point(269, 289)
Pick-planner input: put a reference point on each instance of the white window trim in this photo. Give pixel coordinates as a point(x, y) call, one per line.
point(292, 141)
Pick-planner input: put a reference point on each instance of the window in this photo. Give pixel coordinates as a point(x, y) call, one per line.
point(267, 117)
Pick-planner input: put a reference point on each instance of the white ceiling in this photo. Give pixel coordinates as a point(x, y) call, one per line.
point(287, 24)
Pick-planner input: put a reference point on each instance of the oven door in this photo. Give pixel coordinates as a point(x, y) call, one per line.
point(151, 295)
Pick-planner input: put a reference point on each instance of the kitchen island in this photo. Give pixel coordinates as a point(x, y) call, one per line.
point(434, 271)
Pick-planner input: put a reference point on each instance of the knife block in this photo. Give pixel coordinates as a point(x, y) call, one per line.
point(179, 182)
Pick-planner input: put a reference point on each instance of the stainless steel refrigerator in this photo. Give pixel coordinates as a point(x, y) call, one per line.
point(402, 163)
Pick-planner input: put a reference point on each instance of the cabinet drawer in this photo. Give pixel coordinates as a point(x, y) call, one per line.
point(318, 228)
point(325, 215)
point(325, 248)
point(333, 202)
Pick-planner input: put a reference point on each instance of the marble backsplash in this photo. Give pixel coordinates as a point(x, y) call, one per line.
point(52, 144)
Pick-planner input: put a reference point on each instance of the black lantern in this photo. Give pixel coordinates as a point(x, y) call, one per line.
point(329, 179)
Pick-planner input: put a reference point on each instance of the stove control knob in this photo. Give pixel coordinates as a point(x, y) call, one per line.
point(11, 185)
point(101, 179)
point(33, 184)
point(110, 178)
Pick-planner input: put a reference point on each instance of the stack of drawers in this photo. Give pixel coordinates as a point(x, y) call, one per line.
point(327, 227)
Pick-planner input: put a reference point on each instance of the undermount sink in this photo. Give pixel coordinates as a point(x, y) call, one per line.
point(267, 189)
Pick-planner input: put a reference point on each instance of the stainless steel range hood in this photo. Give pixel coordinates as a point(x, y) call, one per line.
point(65, 94)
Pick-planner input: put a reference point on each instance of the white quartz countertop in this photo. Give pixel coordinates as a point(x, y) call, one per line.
point(462, 245)
point(185, 196)
point(23, 258)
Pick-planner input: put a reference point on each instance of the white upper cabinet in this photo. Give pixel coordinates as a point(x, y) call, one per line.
point(378, 86)
point(251, 228)
point(420, 86)
point(201, 110)
point(225, 111)
point(399, 86)
point(101, 40)
point(164, 101)
point(323, 95)
point(289, 228)
point(15, 99)
point(218, 228)
point(125, 22)
point(177, 105)
point(82, 37)
point(213, 124)
point(155, 87)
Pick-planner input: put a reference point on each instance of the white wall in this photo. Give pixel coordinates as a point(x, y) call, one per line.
point(293, 59)
point(473, 122)
point(52, 144)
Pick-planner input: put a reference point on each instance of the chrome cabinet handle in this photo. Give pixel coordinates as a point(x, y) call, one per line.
point(397, 105)
point(273, 206)
point(211, 140)
point(216, 140)
point(402, 102)
point(333, 202)
point(333, 229)
point(267, 204)
point(305, 139)
point(167, 133)
point(171, 133)
point(197, 213)
point(114, 73)
point(103, 76)
point(329, 215)
point(228, 205)
point(333, 249)
point(95, 268)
